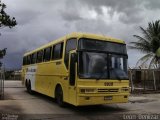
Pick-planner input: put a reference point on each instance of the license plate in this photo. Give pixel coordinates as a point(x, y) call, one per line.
point(108, 98)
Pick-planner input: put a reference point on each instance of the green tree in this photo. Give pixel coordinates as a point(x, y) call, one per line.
point(149, 43)
point(2, 53)
point(5, 19)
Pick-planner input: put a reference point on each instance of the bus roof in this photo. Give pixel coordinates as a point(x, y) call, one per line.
point(77, 35)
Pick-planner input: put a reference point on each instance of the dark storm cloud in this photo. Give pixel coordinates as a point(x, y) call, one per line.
point(40, 21)
point(71, 11)
point(117, 5)
point(152, 4)
point(69, 16)
point(93, 26)
point(133, 19)
point(12, 61)
point(129, 9)
point(26, 16)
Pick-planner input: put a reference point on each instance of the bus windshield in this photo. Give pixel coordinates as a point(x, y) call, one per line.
point(102, 65)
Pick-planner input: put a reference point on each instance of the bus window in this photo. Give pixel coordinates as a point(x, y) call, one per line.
point(93, 65)
point(118, 67)
point(28, 59)
point(40, 56)
point(24, 60)
point(57, 51)
point(34, 57)
point(70, 45)
point(47, 54)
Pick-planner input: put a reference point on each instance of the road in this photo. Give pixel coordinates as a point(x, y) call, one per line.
point(18, 103)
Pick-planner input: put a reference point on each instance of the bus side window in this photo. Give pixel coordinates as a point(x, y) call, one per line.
point(47, 54)
point(57, 51)
point(71, 44)
point(24, 60)
point(40, 56)
point(34, 57)
point(28, 59)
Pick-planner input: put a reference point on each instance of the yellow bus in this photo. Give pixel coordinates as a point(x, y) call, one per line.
point(79, 69)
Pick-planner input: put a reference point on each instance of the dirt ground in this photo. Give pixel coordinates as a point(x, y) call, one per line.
point(18, 104)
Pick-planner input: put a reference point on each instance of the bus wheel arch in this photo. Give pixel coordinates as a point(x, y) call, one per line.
point(59, 95)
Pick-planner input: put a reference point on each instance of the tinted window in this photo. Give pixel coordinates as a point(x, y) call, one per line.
point(70, 45)
point(28, 59)
point(40, 56)
point(47, 54)
point(93, 65)
point(89, 44)
point(34, 57)
point(57, 51)
point(24, 60)
point(118, 67)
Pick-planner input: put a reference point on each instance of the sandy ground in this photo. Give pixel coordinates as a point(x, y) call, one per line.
point(18, 104)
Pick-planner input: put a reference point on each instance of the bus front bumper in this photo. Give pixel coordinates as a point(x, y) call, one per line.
point(101, 99)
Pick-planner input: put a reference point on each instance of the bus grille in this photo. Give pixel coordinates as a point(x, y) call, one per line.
point(108, 90)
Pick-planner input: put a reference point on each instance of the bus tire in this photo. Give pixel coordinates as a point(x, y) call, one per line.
point(59, 96)
point(29, 90)
point(26, 83)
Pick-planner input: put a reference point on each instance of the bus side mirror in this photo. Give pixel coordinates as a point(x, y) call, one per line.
point(74, 57)
point(73, 60)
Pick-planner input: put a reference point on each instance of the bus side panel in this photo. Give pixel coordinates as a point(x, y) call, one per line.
point(50, 74)
point(30, 72)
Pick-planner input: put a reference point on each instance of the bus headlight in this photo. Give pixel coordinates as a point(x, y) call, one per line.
point(87, 90)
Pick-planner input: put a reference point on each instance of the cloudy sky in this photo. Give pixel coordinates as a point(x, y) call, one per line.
point(41, 21)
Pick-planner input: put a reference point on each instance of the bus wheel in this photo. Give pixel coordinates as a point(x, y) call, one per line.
point(26, 84)
point(29, 87)
point(59, 96)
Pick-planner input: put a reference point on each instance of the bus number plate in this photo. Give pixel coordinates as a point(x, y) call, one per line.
point(107, 97)
point(108, 84)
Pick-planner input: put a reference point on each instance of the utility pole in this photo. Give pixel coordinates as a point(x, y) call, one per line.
point(2, 74)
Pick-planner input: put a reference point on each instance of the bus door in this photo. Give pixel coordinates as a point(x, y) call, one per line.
point(72, 77)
